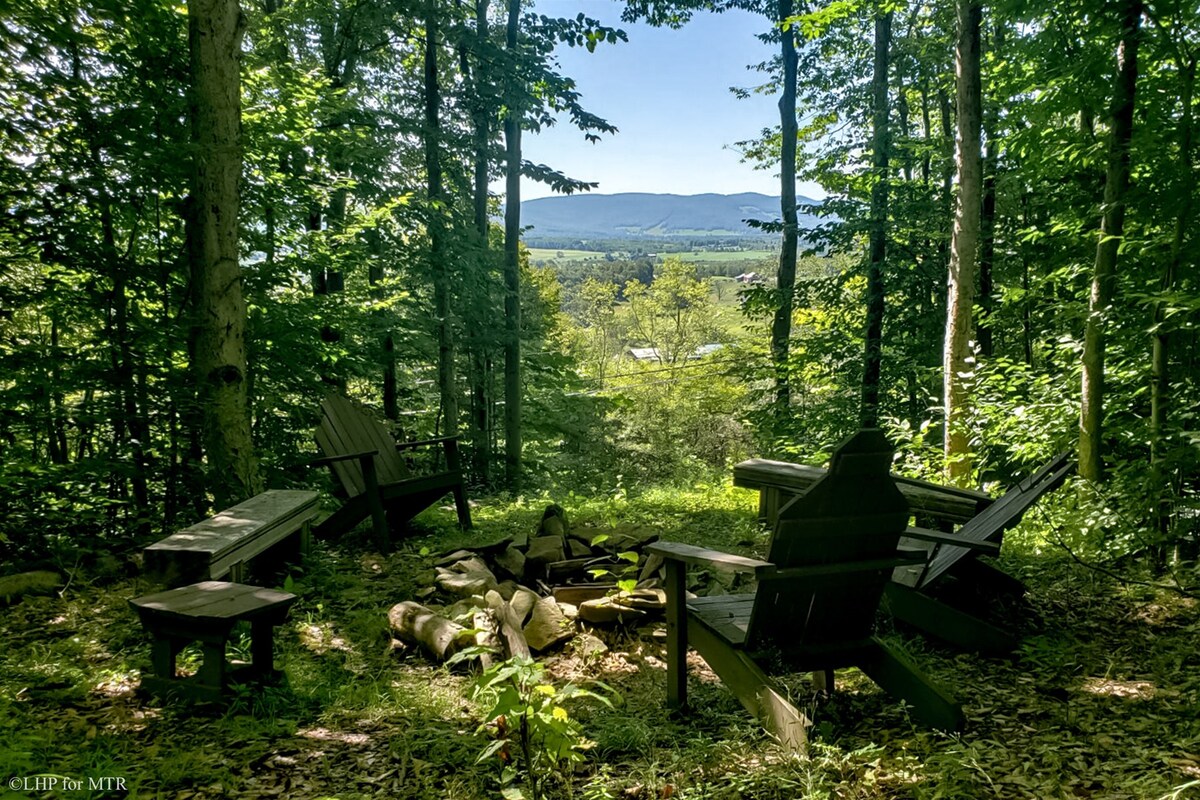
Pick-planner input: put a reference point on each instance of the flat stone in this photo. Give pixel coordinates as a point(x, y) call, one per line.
point(494, 546)
point(522, 602)
point(588, 646)
point(462, 610)
point(547, 627)
point(471, 564)
point(578, 549)
point(453, 558)
point(545, 549)
point(554, 521)
point(646, 599)
point(571, 569)
point(617, 540)
point(512, 561)
point(608, 610)
point(466, 583)
point(654, 562)
point(580, 592)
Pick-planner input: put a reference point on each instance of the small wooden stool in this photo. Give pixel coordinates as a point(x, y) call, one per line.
point(206, 612)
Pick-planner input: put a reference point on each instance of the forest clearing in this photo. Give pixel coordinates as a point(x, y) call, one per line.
point(1098, 701)
point(324, 473)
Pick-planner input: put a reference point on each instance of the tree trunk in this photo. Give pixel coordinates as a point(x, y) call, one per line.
point(987, 246)
point(437, 240)
point(1112, 228)
point(481, 451)
point(1160, 385)
point(964, 244)
point(877, 255)
point(512, 267)
point(215, 33)
point(781, 327)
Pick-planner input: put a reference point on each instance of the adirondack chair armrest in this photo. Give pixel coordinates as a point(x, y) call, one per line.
point(443, 440)
point(703, 557)
point(449, 445)
point(937, 537)
point(325, 461)
point(901, 558)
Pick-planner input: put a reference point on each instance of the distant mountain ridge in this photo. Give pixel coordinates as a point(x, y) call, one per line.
point(634, 215)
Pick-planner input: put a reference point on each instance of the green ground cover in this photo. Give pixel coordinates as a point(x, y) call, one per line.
point(539, 255)
point(1099, 702)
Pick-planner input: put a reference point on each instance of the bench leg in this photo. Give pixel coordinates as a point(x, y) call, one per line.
point(823, 681)
point(305, 540)
point(212, 671)
point(262, 648)
point(163, 651)
point(677, 642)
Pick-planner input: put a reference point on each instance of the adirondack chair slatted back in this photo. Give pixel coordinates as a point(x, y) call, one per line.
point(991, 523)
point(348, 427)
point(853, 514)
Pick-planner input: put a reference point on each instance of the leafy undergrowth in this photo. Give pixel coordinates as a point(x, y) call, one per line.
point(1100, 701)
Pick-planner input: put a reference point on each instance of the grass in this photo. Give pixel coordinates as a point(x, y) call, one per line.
point(543, 254)
point(538, 255)
point(1100, 701)
point(724, 257)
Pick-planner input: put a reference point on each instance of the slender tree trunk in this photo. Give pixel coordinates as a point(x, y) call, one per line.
point(781, 327)
point(964, 244)
point(877, 245)
point(927, 130)
point(1160, 384)
point(481, 452)
point(903, 112)
point(987, 247)
point(512, 266)
point(1112, 229)
point(215, 33)
point(447, 384)
point(59, 449)
point(1026, 303)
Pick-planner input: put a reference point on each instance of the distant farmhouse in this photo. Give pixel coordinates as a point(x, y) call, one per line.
point(749, 278)
point(653, 354)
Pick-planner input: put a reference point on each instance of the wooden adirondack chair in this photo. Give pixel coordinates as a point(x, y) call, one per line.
point(831, 555)
point(954, 554)
point(367, 462)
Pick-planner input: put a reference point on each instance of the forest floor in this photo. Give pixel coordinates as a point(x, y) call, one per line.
point(1102, 700)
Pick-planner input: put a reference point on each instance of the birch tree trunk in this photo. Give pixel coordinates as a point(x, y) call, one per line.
point(1112, 229)
point(214, 34)
point(964, 243)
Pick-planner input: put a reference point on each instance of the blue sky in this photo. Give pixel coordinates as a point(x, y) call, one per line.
point(668, 93)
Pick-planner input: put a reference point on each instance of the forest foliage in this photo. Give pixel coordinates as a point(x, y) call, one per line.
point(363, 274)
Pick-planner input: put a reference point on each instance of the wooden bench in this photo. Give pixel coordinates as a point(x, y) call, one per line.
point(779, 481)
point(206, 612)
point(221, 545)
